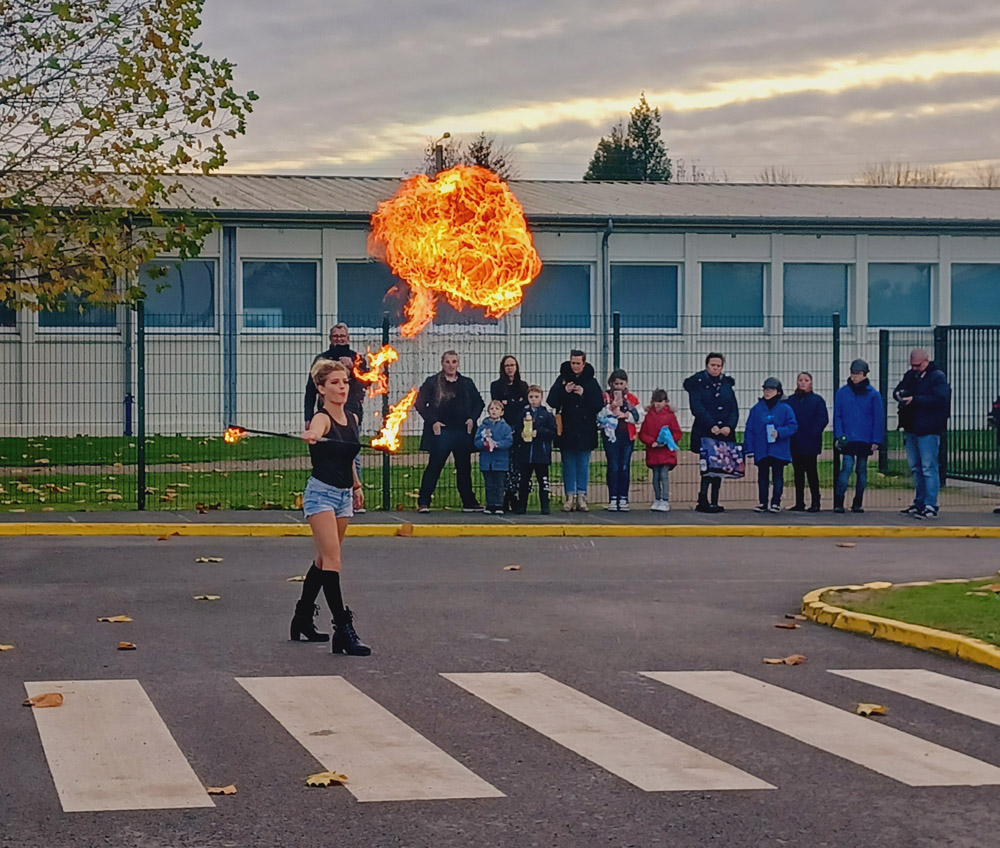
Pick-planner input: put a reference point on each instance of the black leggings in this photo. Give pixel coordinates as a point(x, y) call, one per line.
point(804, 467)
point(713, 483)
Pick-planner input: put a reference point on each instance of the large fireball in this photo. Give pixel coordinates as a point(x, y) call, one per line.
point(461, 236)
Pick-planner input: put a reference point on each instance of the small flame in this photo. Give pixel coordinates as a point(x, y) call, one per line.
point(233, 435)
point(388, 439)
point(462, 236)
point(376, 376)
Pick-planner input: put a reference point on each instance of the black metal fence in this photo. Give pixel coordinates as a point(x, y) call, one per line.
point(123, 415)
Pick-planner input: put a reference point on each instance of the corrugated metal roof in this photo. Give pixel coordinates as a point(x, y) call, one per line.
point(549, 201)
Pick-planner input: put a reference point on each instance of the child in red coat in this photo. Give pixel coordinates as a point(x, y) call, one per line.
point(660, 433)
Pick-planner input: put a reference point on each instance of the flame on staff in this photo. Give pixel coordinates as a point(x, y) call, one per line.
point(388, 438)
point(233, 435)
point(462, 236)
point(376, 376)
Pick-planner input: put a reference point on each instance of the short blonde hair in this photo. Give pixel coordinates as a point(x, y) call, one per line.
point(536, 389)
point(323, 368)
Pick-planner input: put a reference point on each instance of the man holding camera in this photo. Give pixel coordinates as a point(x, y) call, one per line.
point(924, 398)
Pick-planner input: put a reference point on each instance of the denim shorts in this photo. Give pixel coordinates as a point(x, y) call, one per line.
point(320, 497)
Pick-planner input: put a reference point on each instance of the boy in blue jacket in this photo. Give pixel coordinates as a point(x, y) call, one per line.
point(494, 439)
point(858, 430)
point(768, 438)
point(533, 450)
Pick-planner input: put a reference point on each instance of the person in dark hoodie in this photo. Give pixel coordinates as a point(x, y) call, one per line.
point(576, 398)
point(533, 450)
point(450, 405)
point(807, 442)
point(511, 390)
point(715, 411)
point(768, 438)
point(924, 398)
point(858, 431)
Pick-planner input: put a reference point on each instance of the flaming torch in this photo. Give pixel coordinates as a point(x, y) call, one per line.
point(376, 376)
point(388, 439)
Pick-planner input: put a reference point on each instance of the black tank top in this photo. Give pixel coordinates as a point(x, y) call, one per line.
point(332, 461)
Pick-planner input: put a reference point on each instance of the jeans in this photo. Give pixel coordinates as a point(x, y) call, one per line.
point(847, 465)
point(576, 471)
point(661, 482)
point(322, 497)
point(922, 455)
point(772, 468)
point(494, 489)
point(804, 467)
point(460, 445)
point(541, 472)
point(619, 454)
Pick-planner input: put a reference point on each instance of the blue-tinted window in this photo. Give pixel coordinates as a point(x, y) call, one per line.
point(559, 297)
point(813, 292)
point(732, 294)
point(975, 294)
point(279, 294)
point(365, 290)
point(645, 295)
point(78, 313)
point(184, 296)
point(899, 295)
point(8, 316)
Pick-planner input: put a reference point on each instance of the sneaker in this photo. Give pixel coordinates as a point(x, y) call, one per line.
point(839, 510)
point(775, 508)
point(813, 508)
point(929, 512)
point(655, 506)
point(612, 505)
point(797, 508)
point(760, 508)
point(661, 506)
point(423, 508)
point(360, 511)
point(911, 509)
point(498, 512)
point(486, 511)
point(623, 504)
point(473, 508)
point(857, 510)
point(581, 503)
point(717, 509)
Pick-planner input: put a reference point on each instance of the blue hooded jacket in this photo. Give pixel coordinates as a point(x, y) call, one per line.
point(755, 440)
point(858, 416)
point(497, 459)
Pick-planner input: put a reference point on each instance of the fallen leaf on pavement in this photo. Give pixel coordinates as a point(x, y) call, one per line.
point(126, 646)
point(846, 544)
point(298, 578)
point(794, 616)
point(326, 778)
point(115, 619)
point(49, 699)
point(207, 597)
point(208, 559)
point(405, 529)
point(297, 502)
point(512, 568)
point(164, 538)
point(6, 647)
point(871, 709)
point(788, 625)
point(221, 790)
point(791, 659)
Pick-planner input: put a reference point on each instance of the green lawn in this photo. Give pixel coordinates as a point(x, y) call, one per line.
point(943, 606)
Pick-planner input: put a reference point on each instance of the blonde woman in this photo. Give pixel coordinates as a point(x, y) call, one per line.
point(332, 494)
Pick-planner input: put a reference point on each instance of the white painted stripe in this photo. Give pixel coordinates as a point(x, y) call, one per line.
point(626, 747)
point(108, 749)
point(959, 696)
point(348, 732)
point(884, 749)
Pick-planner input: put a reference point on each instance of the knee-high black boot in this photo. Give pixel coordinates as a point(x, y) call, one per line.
point(306, 609)
point(345, 637)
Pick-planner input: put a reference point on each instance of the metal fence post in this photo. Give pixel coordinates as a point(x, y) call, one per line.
point(616, 336)
point(941, 360)
point(836, 382)
point(386, 477)
point(883, 387)
point(140, 390)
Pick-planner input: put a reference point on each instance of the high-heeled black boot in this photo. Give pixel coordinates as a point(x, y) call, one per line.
point(345, 637)
point(303, 624)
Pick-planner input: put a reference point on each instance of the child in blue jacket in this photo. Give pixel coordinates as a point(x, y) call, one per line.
point(768, 438)
point(858, 430)
point(494, 439)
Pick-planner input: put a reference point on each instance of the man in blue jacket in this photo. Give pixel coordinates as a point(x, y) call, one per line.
point(858, 430)
point(924, 398)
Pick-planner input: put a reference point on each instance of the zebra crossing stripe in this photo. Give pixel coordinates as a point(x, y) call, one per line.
point(108, 749)
point(884, 749)
point(622, 745)
point(348, 732)
point(950, 693)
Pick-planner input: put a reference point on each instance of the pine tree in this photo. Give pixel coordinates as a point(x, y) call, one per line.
point(650, 160)
point(613, 158)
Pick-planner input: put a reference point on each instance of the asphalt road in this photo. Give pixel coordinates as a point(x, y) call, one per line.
point(590, 614)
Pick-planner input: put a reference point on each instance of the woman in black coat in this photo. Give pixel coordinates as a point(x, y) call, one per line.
point(715, 411)
point(512, 392)
point(576, 398)
point(450, 405)
point(812, 416)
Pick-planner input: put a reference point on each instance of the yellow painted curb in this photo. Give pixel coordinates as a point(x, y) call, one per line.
point(446, 531)
point(901, 632)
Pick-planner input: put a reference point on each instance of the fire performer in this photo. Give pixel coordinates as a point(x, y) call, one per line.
point(332, 494)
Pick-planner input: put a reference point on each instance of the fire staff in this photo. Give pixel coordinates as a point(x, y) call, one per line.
point(331, 496)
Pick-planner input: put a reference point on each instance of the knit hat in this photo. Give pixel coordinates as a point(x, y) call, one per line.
point(774, 383)
point(859, 365)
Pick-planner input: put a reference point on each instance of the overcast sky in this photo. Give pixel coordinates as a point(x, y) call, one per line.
point(819, 87)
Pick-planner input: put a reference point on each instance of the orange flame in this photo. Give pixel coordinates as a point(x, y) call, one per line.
point(376, 377)
point(388, 439)
point(462, 236)
point(233, 435)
